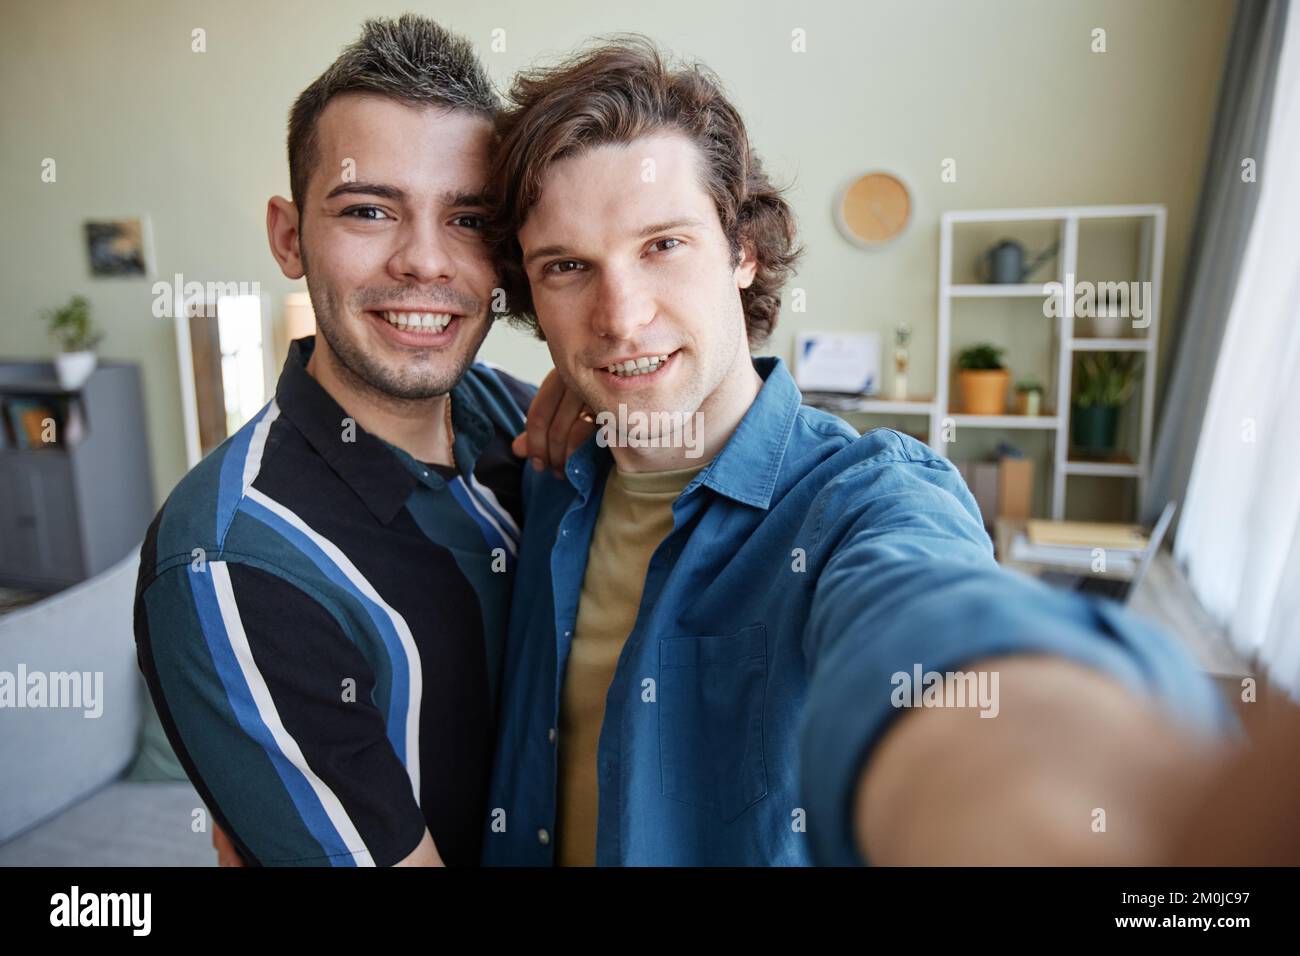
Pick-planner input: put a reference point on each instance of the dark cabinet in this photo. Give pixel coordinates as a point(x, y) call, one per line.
point(75, 506)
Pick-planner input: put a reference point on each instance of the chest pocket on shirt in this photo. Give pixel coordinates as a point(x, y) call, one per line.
point(711, 720)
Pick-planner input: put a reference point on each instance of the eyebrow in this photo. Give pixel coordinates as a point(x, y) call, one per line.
point(668, 226)
point(451, 197)
point(367, 189)
point(645, 232)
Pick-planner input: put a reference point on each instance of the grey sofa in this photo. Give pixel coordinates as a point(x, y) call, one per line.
point(78, 790)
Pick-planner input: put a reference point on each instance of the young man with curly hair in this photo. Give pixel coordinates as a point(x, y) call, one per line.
point(713, 640)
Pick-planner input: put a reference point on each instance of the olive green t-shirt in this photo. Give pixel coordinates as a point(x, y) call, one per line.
point(635, 516)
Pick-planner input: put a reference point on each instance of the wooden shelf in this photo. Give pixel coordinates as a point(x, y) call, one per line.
point(1054, 213)
point(1098, 470)
point(1030, 290)
point(884, 406)
point(1110, 345)
point(1045, 422)
point(1068, 223)
point(1120, 465)
point(20, 377)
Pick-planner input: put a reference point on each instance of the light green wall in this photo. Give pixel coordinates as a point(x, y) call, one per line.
point(137, 123)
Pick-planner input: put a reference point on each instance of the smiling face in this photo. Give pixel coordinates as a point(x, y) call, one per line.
point(391, 242)
point(633, 280)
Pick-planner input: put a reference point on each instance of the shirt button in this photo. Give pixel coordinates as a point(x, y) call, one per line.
point(568, 634)
point(543, 837)
point(564, 532)
point(550, 735)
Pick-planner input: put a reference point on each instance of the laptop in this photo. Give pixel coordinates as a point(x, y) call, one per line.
point(1117, 589)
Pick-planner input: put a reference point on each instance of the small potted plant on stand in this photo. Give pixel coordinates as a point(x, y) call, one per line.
point(77, 336)
point(1030, 394)
point(1103, 382)
point(982, 380)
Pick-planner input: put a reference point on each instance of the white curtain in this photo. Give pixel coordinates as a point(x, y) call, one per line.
point(1239, 536)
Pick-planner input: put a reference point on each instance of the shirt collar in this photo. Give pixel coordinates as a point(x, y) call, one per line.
point(367, 464)
point(747, 467)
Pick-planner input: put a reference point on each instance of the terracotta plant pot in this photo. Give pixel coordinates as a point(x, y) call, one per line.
point(983, 392)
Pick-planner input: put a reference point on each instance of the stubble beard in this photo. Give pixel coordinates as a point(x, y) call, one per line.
point(425, 375)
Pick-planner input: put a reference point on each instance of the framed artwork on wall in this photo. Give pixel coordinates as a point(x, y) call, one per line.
point(119, 247)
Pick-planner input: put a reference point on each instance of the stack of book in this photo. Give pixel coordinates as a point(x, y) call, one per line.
point(30, 422)
point(1075, 543)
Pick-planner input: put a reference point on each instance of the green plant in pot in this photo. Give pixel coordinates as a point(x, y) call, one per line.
point(1030, 393)
point(71, 326)
point(982, 380)
point(1103, 382)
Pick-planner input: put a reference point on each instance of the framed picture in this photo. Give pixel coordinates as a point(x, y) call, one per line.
point(843, 362)
point(119, 247)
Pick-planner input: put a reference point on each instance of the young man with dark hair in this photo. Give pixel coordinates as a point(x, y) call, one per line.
point(322, 601)
point(714, 658)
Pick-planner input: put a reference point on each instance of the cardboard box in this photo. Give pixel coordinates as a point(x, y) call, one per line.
point(1015, 487)
point(984, 486)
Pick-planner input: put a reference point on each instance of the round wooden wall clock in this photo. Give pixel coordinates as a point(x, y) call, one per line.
point(873, 209)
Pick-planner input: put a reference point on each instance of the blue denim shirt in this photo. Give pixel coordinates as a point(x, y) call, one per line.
point(806, 567)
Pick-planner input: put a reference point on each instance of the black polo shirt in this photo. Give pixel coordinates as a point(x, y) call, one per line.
point(320, 619)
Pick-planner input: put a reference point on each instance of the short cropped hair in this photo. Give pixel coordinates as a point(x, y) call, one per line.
point(411, 59)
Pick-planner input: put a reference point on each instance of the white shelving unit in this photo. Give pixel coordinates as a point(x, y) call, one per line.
point(1151, 254)
point(885, 406)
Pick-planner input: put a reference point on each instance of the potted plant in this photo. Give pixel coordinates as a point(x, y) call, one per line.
point(982, 381)
point(1030, 394)
point(1103, 382)
point(77, 336)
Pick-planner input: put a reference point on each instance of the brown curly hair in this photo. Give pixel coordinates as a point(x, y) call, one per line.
point(614, 93)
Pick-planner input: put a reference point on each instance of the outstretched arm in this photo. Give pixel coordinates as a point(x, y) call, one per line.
point(1101, 735)
point(1075, 769)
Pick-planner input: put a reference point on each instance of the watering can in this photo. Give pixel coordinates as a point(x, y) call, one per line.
point(1004, 264)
